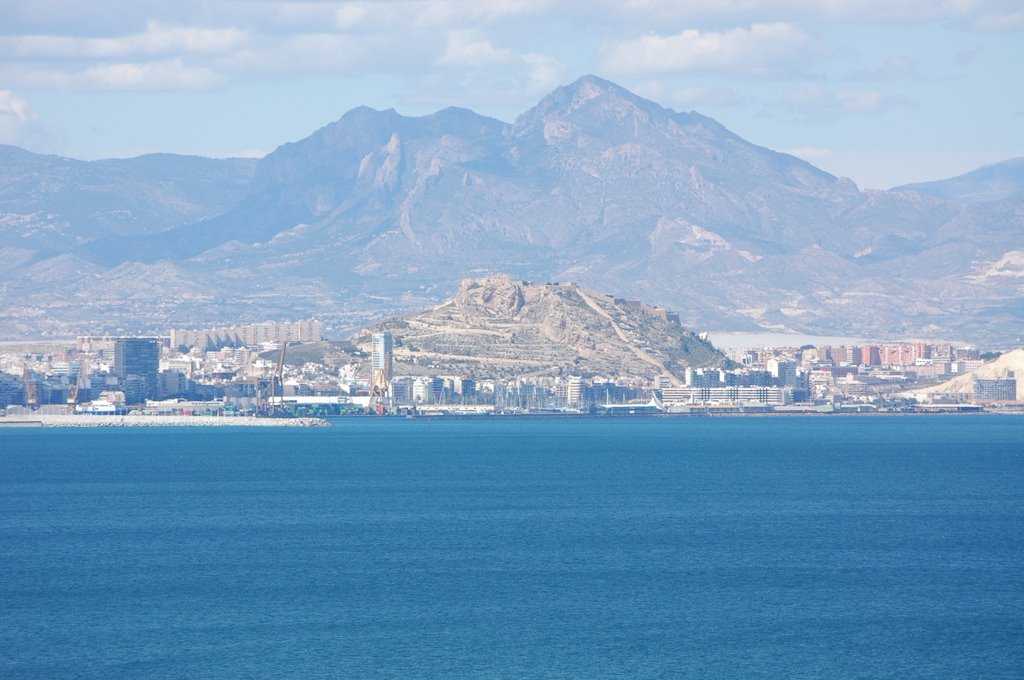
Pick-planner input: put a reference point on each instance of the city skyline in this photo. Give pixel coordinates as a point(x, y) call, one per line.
point(181, 380)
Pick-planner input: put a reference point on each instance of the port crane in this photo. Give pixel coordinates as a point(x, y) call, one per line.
point(266, 389)
point(73, 390)
point(380, 388)
point(31, 389)
point(278, 378)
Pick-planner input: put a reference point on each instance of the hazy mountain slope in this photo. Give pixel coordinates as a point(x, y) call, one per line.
point(994, 182)
point(379, 211)
point(58, 203)
point(591, 174)
point(352, 171)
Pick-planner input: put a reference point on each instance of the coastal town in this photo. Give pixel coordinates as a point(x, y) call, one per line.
point(288, 370)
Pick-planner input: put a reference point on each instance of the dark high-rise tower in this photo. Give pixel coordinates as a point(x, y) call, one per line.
point(137, 364)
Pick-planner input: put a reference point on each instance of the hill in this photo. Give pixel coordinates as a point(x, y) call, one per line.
point(500, 327)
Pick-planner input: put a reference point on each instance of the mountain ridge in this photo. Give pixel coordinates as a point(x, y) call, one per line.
point(593, 184)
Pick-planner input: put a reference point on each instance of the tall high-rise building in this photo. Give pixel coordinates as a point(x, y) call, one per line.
point(381, 352)
point(574, 391)
point(137, 364)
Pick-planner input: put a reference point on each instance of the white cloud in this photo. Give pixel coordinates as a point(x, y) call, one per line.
point(466, 49)
point(163, 57)
point(452, 13)
point(158, 39)
point(186, 59)
point(529, 73)
point(815, 101)
point(545, 73)
point(198, 44)
point(308, 53)
point(259, 17)
point(761, 50)
point(19, 126)
point(979, 14)
point(170, 74)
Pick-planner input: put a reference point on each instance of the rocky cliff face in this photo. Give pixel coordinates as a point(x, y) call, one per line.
point(502, 327)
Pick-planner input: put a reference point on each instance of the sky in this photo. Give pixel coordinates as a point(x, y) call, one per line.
point(885, 92)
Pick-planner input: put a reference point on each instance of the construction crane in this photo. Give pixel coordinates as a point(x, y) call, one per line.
point(380, 387)
point(279, 376)
point(73, 390)
point(31, 389)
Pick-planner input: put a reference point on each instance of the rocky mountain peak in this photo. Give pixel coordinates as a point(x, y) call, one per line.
point(591, 103)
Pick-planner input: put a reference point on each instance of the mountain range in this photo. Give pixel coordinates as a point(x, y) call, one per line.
point(379, 213)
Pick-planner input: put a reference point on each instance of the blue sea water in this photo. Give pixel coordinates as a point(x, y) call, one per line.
point(859, 547)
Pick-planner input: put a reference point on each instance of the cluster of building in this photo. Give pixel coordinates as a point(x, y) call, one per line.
point(242, 369)
point(116, 369)
point(871, 372)
point(250, 335)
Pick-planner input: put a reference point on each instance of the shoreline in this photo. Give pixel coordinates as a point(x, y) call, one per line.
point(156, 421)
point(96, 421)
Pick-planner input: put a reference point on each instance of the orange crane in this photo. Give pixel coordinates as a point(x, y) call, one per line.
point(279, 376)
point(73, 390)
point(380, 388)
point(31, 389)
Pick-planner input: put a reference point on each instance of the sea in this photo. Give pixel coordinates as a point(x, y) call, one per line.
point(715, 547)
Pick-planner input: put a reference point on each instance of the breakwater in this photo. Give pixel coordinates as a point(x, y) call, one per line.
point(156, 421)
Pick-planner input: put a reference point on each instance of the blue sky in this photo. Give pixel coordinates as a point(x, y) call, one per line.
point(881, 91)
